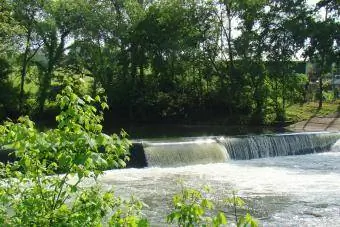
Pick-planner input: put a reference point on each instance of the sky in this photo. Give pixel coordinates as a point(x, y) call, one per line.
point(312, 2)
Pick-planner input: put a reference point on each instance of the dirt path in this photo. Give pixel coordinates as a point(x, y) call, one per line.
point(330, 123)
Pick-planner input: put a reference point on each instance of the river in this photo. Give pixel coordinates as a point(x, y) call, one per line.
point(301, 190)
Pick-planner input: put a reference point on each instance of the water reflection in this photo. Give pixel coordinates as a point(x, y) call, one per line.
point(168, 131)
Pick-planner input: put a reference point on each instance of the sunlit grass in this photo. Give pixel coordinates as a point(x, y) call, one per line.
point(298, 112)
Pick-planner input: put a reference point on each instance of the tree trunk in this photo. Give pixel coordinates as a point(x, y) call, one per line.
point(283, 95)
point(320, 89)
point(230, 51)
point(55, 52)
point(46, 82)
point(321, 69)
point(320, 80)
point(94, 86)
point(22, 82)
point(24, 71)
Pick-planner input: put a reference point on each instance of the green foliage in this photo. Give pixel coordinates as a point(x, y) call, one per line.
point(9, 93)
point(8, 28)
point(294, 91)
point(46, 185)
point(192, 207)
point(236, 203)
point(298, 112)
point(247, 221)
point(199, 71)
point(32, 194)
point(5, 69)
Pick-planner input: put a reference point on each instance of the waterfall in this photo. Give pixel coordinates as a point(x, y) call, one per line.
point(184, 153)
point(263, 146)
point(221, 149)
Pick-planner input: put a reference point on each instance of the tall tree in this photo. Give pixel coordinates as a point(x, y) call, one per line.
point(60, 19)
point(26, 14)
point(250, 50)
point(284, 25)
point(323, 47)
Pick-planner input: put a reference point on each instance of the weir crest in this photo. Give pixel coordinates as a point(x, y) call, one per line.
point(221, 149)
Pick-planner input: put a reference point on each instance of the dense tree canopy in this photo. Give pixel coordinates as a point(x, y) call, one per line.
point(167, 59)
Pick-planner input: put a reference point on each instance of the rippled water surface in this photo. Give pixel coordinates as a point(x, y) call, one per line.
point(283, 191)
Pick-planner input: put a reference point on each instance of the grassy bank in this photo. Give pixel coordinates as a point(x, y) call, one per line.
point(297, 112)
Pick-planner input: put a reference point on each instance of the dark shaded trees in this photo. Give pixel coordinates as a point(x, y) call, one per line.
point(324, 40)
point(167, 59)
point(26, 14)
point(285, 28)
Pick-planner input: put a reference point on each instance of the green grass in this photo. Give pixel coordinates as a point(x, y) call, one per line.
point(297, 112)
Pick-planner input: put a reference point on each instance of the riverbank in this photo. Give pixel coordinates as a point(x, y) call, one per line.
point(309, 118)
point(331, 124)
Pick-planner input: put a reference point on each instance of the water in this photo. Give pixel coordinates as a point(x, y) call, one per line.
point(299, 190)
point(204, 150)
point(262, 146)
point(198, 151)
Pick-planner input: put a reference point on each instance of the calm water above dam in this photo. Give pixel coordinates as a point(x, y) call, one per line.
point(296, 190)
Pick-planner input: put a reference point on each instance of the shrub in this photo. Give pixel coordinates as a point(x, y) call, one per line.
point(31, 191)
point(192, 208)
point(45, 186)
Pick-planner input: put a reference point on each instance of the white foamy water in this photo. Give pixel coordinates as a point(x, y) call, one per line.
point(282, 191)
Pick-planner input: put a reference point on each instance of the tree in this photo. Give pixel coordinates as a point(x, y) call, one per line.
point(9, 28)
point(285, 28)
point(26, 14)
point(323, 43)
point(250, 49)
point(60, 20)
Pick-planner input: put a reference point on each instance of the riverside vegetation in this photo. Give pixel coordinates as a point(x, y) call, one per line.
point(202, 69)
point(46, 185)
point(231, 61)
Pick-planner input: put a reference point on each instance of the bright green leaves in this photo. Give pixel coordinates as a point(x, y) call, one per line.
point(79, 113)
point(235, 203)
point(219, 219)
point(80, 131)
point(247, 221)
point(89, 99)
point(192, 207)
point(31, 188)
point(9, 27)
point(128, 215)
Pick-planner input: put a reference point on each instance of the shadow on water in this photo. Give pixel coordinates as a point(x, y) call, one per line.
point(160, 131)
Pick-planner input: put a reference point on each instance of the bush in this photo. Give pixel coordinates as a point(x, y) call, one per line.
point(191, 207)
point(31, 192)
